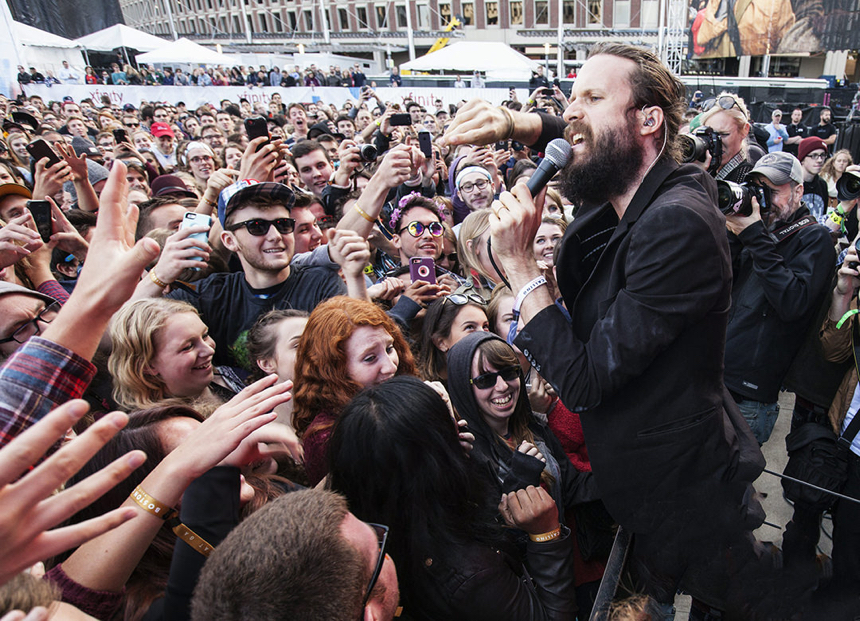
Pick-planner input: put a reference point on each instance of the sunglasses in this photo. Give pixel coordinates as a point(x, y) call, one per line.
point(416, 229)
point(459, 299)
point(488, 379)
point(726, 102)
point(259, 227)
point(382, 536)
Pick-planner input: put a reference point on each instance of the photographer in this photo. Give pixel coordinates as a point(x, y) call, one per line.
point(781, 263)
point(729, 118)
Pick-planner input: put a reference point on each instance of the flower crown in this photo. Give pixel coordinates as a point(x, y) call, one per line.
point(404, 204)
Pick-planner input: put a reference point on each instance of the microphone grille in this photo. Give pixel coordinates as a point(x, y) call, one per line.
point(558, 152)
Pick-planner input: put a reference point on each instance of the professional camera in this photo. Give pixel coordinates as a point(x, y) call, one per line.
point(701, 141)
point(848, 186)
point(368, 153)
point(735, 199)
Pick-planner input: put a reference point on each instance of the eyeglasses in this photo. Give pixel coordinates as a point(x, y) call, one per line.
point(259, 227)
point(200, 159)
point(416, 229)
point(726, 102)
point(31, 326)
point(488, 379)
point(818, 156)
point(469, 186)
point(382, 537)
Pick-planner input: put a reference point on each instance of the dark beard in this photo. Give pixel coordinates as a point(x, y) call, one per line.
point(610, 167)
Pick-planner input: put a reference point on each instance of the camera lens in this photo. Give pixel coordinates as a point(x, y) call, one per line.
point(368, 153)
point(693, 148)
point(733, 199)
point(848, 186)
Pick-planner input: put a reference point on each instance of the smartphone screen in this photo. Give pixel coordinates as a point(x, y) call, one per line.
point(41, 211)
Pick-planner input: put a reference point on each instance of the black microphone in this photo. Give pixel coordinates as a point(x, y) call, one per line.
point(555, 157)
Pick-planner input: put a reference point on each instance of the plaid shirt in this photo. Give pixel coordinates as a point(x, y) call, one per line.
point(38, 377)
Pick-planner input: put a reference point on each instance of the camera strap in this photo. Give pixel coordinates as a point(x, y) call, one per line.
point(787, 230)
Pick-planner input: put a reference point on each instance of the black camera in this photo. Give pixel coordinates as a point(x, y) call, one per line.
point(696, 145)
point(848, 186)
point(368, 153)
point(735, 199)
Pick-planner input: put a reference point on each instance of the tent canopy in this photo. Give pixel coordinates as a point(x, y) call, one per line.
point(118, 36)
point(183, 51)
point(493, 58)
point(27, 35)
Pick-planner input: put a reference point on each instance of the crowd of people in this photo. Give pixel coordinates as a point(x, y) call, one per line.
point(124, 74)
point(318, 362)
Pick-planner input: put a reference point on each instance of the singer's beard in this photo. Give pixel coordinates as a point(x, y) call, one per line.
point(608, 168)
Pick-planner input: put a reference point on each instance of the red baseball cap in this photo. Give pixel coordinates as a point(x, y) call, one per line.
point(160, 129)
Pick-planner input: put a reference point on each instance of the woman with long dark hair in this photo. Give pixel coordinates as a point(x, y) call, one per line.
point(395, 455)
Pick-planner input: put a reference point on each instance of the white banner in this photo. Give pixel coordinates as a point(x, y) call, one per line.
point(194, 96)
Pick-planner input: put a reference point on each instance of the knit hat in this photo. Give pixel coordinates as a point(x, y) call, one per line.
point(8, 287)
point(808, 145)
point(95, 173)
point(82, 145)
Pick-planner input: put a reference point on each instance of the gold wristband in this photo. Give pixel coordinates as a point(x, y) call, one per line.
point(156, 279)
point(197, 543)
point(510, 130)
point(544, 537)
point(364, 214)
point(151, 505)
point(208, 202)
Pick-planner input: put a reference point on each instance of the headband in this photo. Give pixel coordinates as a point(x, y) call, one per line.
point(198, 145)
point(472, 169)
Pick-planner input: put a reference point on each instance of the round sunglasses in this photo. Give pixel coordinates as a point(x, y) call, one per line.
point(416, 229)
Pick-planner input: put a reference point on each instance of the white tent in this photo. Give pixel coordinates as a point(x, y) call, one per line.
point(184, 52)
point(119, 36)
point(44, 50)
point(495, 59)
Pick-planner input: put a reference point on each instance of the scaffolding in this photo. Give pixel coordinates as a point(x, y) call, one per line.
point(673, 48)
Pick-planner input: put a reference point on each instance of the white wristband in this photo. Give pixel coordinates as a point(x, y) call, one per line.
point(518, 301)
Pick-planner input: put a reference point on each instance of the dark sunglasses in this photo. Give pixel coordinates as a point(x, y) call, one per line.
point(259, 227)
point(488, 379)
point(416, 229)
point(382, 537)
point(726, 102)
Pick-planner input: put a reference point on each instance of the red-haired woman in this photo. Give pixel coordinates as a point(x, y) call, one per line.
point(347, 345)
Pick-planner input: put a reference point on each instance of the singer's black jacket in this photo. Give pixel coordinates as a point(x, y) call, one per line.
point(643, 358)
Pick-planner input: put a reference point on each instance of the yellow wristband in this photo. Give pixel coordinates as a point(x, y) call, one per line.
point(364, 214)
point(156, 279)
point(542, 538)
point(836, 218)
point(151, 505)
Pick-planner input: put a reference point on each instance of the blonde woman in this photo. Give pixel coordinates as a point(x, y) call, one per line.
point(162, 350)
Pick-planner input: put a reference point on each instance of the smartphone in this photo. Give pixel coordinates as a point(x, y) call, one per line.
point(40, 149)
point(422, 268)
point(197, 219)
point(502, 145)
point(400, 119)
point(41, 211)
point(255, 127)
point(120, 135)
point(425, 143)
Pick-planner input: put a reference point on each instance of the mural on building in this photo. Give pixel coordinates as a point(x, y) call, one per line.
point(720, 28)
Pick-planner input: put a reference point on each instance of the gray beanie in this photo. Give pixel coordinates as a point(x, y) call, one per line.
point(95, 172)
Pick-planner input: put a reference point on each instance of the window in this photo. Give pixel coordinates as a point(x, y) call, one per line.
point(516, 7)
point(468, 14)
point(595, 12)
point(309, 21)
point(492, 13)
point(264, 23)
point(569, 12)
point(444, 14)
point(400, 10)
point(278, 21)
point(541, 12)
point(649, 12)
point(361, 13)
point(621, 14)
point(343, 18)
point(381, 22)
point(423, 17)
point(237, 24)
point(209, 3)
